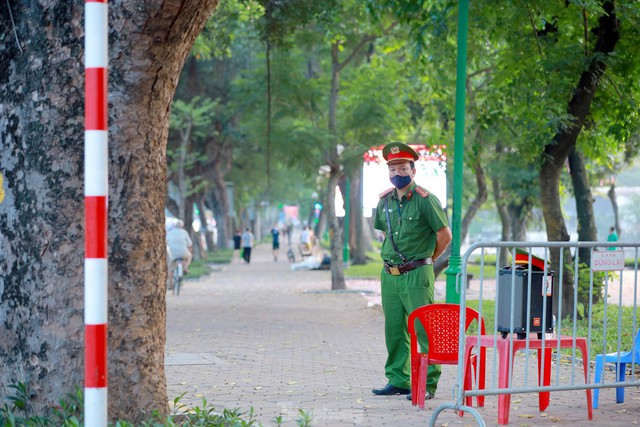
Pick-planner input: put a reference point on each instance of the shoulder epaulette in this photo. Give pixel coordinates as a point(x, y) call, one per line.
point(421, 191)
point(384, 193)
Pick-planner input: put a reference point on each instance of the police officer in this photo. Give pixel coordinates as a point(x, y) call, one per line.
point(416, 233)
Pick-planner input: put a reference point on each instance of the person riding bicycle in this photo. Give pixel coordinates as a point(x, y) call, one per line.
point(180, 246)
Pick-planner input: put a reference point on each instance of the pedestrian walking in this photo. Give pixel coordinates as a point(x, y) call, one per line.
point(247, 245)
point(612, 237)
point(416, 232)
point(275, 244)
point(237, 239)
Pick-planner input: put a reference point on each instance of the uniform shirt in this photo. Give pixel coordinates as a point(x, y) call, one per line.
point(179, 242)
point(415, 234)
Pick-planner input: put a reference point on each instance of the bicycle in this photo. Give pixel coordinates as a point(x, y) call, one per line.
point(178, 273)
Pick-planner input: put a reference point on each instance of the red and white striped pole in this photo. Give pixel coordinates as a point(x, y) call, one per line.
point(95, 204)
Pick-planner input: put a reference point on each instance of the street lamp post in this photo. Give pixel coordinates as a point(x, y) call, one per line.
point(453, 292)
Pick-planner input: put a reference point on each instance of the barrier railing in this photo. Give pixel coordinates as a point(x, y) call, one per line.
point(558, 314)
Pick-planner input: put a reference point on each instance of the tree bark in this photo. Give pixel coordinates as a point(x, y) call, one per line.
point(564, 142)
point(41, 215)
point(335, 233)
point(614, 205)
point(221, 155)
point(503, 212)
point(517, 214)
point(359, 238)
point(208, 235)
point(335, 173)
point(481, 196)
point(587, 231)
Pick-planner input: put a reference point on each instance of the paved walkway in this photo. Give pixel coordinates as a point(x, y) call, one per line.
point(279, 341)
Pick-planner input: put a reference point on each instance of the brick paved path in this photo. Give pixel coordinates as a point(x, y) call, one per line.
point(262, 336)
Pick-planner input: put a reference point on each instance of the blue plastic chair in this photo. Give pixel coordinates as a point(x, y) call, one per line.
point(625, 357)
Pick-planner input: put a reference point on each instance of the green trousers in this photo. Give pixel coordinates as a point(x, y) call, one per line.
point(400, 296)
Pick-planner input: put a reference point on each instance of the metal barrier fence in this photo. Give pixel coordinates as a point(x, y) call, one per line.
point(562, 315)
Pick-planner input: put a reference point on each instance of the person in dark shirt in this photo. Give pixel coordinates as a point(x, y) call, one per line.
point(275, 233)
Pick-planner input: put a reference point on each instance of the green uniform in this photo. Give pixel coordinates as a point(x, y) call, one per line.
point(414, 221)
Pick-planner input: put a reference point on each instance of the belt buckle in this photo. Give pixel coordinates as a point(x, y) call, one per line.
point(395, 271)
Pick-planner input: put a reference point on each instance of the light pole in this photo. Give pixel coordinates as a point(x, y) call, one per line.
point(453, 293)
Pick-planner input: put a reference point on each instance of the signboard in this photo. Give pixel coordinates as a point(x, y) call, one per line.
point(607, 260)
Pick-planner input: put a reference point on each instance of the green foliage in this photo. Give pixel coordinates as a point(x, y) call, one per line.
point(70, 414)
point(19, 414)
point(524, 62)
point(304, 418)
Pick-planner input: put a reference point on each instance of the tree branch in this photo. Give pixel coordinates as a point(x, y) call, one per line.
point(362, 43)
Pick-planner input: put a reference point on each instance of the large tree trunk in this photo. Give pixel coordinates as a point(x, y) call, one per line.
point(564, 142)
point(41, 215)
point(335, 231)
point(587, 231)
point(557, 232)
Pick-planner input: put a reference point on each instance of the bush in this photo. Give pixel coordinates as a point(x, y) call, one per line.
point(69, 413)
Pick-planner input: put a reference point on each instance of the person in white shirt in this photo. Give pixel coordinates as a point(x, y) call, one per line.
point(305, 238)
point(180, 246)
point(247, 244)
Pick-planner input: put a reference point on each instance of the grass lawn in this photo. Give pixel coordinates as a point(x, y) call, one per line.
point(200, 267)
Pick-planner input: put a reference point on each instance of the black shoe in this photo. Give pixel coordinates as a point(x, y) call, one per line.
point(389, 390)
point(427, 396)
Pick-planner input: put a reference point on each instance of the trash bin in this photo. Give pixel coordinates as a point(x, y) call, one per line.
point(518, 286)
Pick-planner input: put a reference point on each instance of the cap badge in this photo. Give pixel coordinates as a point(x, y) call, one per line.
point(395, 149)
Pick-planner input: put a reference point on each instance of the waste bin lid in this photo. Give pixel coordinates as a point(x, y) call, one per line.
point(522, 258)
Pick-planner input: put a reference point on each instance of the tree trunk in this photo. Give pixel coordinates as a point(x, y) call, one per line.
point(221, 153)
point(503, 211)
point(359, 238)
point(481, 196)
point(41, 215)
point(335, 234)
point(614, 205)
point(335, 231)
point(181, 174)
point(587, 231)
point(321, 227)
point(208, 235)
point(564, 142)
point(505, 220)
point(518, 219)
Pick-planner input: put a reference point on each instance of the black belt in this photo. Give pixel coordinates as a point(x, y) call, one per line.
point(396, 270)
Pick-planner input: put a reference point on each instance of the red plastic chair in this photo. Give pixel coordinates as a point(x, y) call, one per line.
point(441, 322)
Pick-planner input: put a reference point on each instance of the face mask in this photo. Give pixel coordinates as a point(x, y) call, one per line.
point(400, 181)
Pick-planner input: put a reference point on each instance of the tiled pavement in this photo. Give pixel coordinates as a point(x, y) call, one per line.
point(263, 336)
